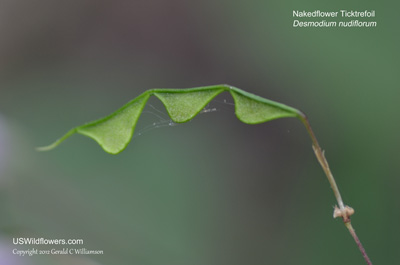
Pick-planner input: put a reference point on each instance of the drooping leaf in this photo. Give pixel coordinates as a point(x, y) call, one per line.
point(253, 109)
point(114, 132)
point(183, 107)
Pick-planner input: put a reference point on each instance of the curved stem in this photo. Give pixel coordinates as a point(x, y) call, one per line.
point(344, 211)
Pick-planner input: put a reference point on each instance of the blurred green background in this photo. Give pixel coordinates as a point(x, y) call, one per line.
point(214, 190)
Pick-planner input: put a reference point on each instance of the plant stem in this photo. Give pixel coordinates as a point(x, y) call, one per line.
point(360, 246)
point(344, 211)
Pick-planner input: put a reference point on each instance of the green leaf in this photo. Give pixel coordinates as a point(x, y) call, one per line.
point(253, 109)
point(114, 132)
point(183, 107)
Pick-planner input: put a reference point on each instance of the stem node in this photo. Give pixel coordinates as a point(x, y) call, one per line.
point(344, 213)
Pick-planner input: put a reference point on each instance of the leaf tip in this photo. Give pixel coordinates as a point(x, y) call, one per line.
point(56, 143)
point(46, 148)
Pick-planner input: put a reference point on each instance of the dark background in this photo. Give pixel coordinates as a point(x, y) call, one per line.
point(214, 190)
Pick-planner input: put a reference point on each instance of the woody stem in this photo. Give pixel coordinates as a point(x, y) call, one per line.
point(325, 166)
